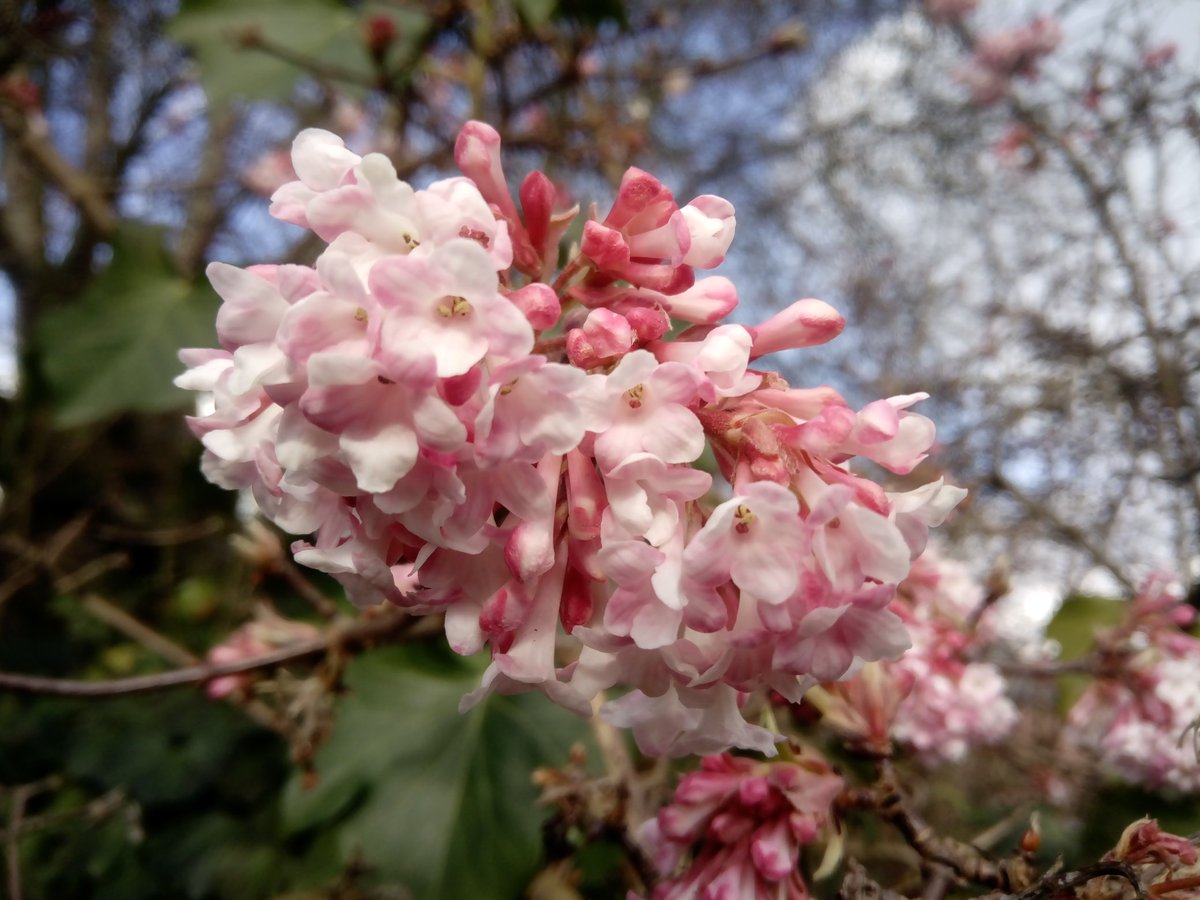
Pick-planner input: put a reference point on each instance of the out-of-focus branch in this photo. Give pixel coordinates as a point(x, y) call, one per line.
point(965, 861)
point(206, 212)
point(341, 636)
point(76, 185)
point(123, 622)
point(1073, 533)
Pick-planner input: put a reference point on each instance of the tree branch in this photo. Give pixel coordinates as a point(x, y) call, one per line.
point(78, 187)
point(347, 634)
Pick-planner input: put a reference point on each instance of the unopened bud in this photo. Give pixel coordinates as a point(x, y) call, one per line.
point(1032, 838)
point(378, 33)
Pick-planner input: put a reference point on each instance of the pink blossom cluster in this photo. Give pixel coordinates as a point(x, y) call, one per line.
point(744, 823)
point(1001, 56)
point(954, 704)
point(467, 429)
point(934, 699)
point(1140, 717)
point(267, 632)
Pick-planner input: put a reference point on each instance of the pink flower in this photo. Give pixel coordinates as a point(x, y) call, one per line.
point(743, 823)
point(463, 430)
point(646, 411)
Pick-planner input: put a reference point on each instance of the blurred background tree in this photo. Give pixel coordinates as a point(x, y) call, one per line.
point(1029, 260)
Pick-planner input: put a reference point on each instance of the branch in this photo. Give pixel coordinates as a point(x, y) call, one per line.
point(1071, 532)
point(78, 187)
point(963, 860)
point(352, 633)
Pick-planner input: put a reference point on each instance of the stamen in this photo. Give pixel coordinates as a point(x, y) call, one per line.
point(454, 306)
point(475, 234)
point(634, 396)
point(744, 517)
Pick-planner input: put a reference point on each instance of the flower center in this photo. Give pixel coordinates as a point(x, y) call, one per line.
point(457, 307)
point(475, 234)
point(743, 518)
point(360, 314)
point(634, 396)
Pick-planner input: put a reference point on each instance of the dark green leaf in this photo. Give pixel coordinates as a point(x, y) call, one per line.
point(236, 44)
point(1074, 627)
point(1075, 624)
point(115, 350)
point(536, 12)
point(221, 35)
point(440, 802)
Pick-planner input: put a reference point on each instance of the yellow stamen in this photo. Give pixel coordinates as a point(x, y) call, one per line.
point(744, 517)
point(634, 396)
point(454, 306)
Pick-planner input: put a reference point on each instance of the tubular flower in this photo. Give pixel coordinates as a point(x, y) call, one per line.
point(744, 823)
point(459, 429)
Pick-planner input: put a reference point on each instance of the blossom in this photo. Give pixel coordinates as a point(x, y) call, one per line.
point(457, 427)
point(1140, 718)
point(734, 828)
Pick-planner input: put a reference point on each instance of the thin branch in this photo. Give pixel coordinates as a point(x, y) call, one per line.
point(359, 632)
point(133, 628)
point(77, 186)
point(1077, 535)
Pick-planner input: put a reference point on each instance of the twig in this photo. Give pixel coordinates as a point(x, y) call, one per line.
point(21, 795)
point(352, 633)
point(94, 810)
point(1052, 884)
point(963, 860)
point(12, 844)
point(139, 631)
point(325, 607)
point(163, 537)
point(76, 185)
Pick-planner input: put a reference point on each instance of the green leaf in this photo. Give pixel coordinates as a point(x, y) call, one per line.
point(536, 12)
point(1075, 624)
point(232, 42)
point(1074, 627)
point(220, 34)
point(439, 801)
point(116, 349)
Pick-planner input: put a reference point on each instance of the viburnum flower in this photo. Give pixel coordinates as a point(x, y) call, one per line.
point(734, 828)
point(1140, 718)
point(459, 426)
point(934, 700)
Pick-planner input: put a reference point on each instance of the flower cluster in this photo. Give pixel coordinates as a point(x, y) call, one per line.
point(953, 704)
point(744, 823)
point(1140, 717)
point(467, 429)
point(933, 699)
point(1002, 56)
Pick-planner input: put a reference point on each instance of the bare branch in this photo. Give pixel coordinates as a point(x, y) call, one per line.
point(340, 636)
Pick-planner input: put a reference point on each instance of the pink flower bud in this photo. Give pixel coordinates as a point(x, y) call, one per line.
point(538, 303)
point(604, 334)
point(806, 323)
point(604, 246)
point(710, 223)
point(585, 496)
point(477, 154)
point(706, 302)
point(649, 323)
